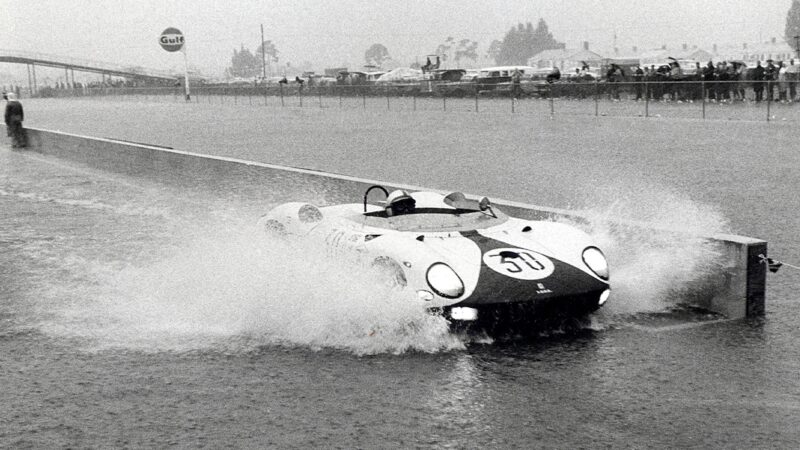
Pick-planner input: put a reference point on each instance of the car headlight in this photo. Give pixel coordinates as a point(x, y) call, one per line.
point(596, 260)
point(445, 281)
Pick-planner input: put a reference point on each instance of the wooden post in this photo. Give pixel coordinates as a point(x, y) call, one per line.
point(703, 88)
point(769, 99)
point(596, 100)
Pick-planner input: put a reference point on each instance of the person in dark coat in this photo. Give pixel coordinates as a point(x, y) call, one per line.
point(14, 118)
point(771, 76)
point(638, 77)
point(709, 75)
point(758, 81)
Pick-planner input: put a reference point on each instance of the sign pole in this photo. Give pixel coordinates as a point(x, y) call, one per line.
point(172, 40)
point(186, 74)
point(263, 65)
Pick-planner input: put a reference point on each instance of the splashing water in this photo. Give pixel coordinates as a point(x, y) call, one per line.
point(656, 243)
point(237, 291)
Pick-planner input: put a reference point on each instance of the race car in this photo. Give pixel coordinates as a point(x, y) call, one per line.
point(463, 258)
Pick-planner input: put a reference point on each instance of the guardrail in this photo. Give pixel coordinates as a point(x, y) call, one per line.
point(722, 100)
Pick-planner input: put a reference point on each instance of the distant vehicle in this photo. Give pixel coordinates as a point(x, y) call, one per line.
point(581, 74)
point(451, 83)
point(358, 78)
point(499, 78)
point(400, 75)
point(459, 257)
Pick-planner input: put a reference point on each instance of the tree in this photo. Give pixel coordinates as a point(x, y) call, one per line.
point(523, 41)
point(493, 51)
point(270, 54)
point(271, 51)
point(443, 50)
point(376, 55)
point(243, 64)
point(466, 49)
point(793, 24)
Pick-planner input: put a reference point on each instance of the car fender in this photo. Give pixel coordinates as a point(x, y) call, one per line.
point(557, 240)
point(417, 253)
point(296, 218)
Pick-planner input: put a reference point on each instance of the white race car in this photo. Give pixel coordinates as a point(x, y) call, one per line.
point(462, 258)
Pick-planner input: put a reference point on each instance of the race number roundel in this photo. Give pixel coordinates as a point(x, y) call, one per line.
point(171, 39)
point(519, 263)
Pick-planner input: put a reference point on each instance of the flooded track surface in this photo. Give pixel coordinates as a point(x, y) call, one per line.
point(138, 313)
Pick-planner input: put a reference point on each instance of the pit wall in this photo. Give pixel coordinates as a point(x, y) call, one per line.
point(737, 291)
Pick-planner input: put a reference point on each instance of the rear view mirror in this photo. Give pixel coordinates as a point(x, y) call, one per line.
point(484, 204)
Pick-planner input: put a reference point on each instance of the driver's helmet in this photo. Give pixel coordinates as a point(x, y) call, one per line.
point(400, 202)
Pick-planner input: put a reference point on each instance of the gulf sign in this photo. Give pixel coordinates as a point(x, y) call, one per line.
point(171, 39)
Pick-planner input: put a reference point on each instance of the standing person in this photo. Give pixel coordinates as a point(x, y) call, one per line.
point(638, 78)
point(740, 75)
point(791, 76)
point(516, 79)
point(770, 75)
point(14, 118)
point(675, 76)
point(612, 76)
point(708, 77)
point(758, 81)
point(782, 82)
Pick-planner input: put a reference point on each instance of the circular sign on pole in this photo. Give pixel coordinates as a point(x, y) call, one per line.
point(171, 39)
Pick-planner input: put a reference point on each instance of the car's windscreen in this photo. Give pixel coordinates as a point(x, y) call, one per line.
point(435, 219)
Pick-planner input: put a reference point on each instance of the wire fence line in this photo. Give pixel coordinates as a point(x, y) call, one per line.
point(718, 100)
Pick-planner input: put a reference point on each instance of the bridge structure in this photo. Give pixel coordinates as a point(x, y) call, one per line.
point(70, 65)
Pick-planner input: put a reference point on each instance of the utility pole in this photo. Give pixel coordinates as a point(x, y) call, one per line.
point(263, 53)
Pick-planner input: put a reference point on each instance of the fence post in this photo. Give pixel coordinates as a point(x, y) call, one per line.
point(387, 99)
point(703, 93)
point(282, 104)
point(319, 93)
point(596, 100)
point(552, 106)
point(513, 103)
point(300, 94)
point(476, 98)
point(769, 98)
point(444, 102)
point(339, 88)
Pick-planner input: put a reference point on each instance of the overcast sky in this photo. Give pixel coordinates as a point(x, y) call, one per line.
point(334, 33)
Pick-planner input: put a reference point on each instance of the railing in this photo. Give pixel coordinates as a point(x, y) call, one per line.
point(80, 62)
point(717, 100)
